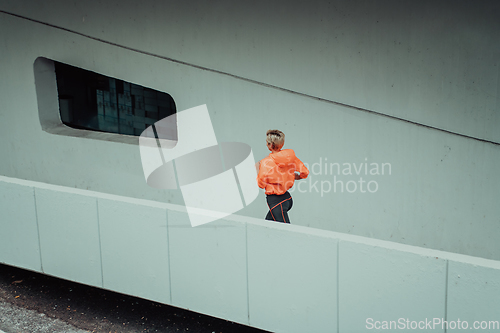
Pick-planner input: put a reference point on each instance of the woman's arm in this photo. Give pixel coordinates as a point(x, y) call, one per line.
point(301, 169)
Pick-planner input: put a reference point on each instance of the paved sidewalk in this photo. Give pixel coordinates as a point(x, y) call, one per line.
point(14, 319)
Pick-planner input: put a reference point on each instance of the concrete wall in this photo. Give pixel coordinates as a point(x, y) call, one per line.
point(277, 277)
point(288, 66)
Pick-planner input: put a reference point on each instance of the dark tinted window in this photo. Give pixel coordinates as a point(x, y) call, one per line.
point(92, 101)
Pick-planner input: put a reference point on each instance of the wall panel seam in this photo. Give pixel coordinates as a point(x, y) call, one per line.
point(38, 231)
point(246, 259)
point(338, 286)
point(446, 295)
point(99, 235)
point(168, 256)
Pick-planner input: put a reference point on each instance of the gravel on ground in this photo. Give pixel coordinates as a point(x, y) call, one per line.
point(72, 307)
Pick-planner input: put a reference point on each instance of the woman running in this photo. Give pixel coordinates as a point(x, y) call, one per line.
point(277, 173)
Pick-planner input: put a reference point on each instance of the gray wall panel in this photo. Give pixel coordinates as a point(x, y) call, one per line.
point(208, 267)
point(69, 236)
point(134, 249)
point(19, 243)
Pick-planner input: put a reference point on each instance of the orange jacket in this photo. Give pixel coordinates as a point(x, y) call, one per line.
point(277, 171)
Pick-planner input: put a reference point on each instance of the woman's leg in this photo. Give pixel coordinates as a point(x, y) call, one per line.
point(285, 207)
point(279, 205)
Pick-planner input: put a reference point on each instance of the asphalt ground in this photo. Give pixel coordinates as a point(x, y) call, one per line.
point(32, 302)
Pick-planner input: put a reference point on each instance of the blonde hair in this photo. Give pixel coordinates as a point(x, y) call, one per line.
point(276, 138)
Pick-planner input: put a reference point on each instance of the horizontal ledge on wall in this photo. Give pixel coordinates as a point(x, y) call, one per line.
point(340, 237)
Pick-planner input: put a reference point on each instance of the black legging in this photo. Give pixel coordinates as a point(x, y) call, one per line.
point(279, 205)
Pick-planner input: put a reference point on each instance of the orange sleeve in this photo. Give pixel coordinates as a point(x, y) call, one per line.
point(301, 168)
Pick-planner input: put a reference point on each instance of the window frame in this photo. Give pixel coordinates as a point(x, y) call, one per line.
point(49, 108)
